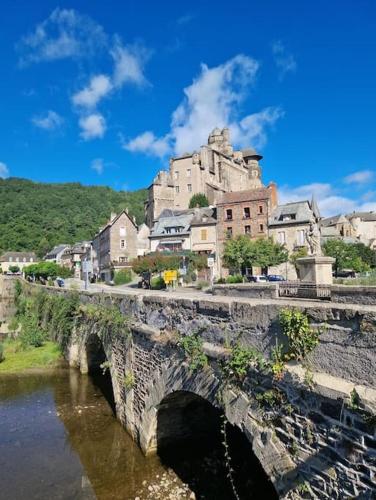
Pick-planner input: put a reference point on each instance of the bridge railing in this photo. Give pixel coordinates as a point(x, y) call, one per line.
point(300, 290)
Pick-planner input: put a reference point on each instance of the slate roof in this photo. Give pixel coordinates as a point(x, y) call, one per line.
point(365, 216)
point(55, 251)
point(20, 255)
point(300, 209)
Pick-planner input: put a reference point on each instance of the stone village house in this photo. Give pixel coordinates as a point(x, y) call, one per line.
point(73, 255)
point(19, 259)
point(244, 213)
point(117, 244)
point(288, 225)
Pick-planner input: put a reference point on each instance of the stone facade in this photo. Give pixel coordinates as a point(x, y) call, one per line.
point(288, 225)
point(244, 213)
point(308, 438)
point(115, 246)
point(214, 170)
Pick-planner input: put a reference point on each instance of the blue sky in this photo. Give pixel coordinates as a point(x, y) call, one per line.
point(105, 92)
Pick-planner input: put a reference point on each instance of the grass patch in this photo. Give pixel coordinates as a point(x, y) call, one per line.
point(18, 359)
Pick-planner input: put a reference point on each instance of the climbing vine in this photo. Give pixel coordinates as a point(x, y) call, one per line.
point(302, 338)
point(107, 319)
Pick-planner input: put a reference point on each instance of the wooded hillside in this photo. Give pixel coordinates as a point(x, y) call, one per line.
point(36, 216)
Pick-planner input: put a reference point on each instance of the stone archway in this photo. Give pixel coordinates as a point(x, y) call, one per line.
point(190, 440)
point(96, 362)
point(175, 386)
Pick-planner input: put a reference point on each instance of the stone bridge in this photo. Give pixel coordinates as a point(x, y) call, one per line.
point(310, 439)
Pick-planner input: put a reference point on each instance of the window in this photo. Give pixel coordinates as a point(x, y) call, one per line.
point(189, 188)
point(247, 213)
point(261, 209)
point(31, 259)
point(204, 234)
point(261, 228)
point(122, 231)
point(17, 259)
point(300, 237)
point(122, 243)
point(281, 237)
point(229, 214)
point(123, 260)
point(24, 259)
point(176, 175)
point(189, 172)
point(229, 232)
point(10, 259)
point(247, 229)
point(177, 189)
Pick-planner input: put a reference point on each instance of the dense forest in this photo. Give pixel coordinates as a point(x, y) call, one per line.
point(36, 216)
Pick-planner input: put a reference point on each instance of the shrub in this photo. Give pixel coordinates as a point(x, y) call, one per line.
point(2, 357)
point(302, 338)
point(158, 283)
point(220, 281)
point(123, 277)
point(193, 349)
point(241, 359)
point(202, 284)
point(14, 269)
point(236, 278)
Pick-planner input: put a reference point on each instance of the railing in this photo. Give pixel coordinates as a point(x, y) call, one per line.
point(298, 289)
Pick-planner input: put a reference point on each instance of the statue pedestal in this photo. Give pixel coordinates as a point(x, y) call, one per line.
point(316, 269)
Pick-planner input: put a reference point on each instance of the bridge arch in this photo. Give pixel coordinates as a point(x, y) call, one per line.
point(175, 390)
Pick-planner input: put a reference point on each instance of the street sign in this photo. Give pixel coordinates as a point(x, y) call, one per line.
point(211, 261)
point(170, 276)
point(87, 266)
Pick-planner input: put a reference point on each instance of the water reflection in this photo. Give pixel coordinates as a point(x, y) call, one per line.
point(59, 439)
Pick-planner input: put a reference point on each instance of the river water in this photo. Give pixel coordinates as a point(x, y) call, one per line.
point(59, 439)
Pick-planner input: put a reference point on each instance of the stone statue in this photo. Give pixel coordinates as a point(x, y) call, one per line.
point(313, 238)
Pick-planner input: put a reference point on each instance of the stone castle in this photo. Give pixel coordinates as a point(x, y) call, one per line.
point(214, 170)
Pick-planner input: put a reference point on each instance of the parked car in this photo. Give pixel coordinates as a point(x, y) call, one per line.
point(275, 277)
point(256, 278)
point(60, 282)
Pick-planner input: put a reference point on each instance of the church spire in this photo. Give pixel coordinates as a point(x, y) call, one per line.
point(315, 208)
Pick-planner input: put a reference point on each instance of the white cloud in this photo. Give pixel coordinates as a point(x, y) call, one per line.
point(49, 121)
point(360, 177)
point(284, 61)
point(4, 171)
point(212, 100)
point(99, 87)
point(97, 165)
point(329, 200)
point(93, 126)
point(64, 34)
point(129, 62)
point(149, 144)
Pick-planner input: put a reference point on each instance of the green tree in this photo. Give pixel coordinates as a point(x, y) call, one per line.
point(46, 270)
point(37, 216)
point(242, 252)
point(238, 253)
point(198, 200)
point(339, 250)
point(267, 253)
point(14, 269)
point(347, 255)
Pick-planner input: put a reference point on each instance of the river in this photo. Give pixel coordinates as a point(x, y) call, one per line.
point(59, 439)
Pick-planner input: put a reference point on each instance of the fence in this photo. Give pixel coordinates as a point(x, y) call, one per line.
point(297, 289)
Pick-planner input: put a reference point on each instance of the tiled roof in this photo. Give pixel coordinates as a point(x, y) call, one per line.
point(243, 196)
